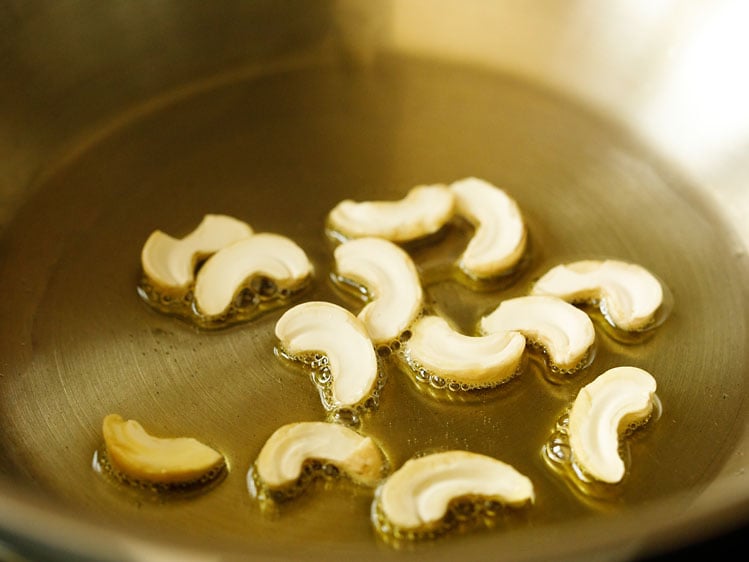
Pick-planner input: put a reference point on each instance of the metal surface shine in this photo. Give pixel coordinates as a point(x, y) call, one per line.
point(279, 148)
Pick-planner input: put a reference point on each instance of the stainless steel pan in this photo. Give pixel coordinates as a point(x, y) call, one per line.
point(621, 129)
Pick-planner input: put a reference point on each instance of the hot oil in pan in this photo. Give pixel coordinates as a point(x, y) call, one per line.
point(279, 152)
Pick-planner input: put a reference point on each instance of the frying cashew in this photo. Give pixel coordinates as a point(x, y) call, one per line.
point(284, 455)
point(477, 362)
point(619, 399)
point(499, 239)
point(267, 256)
point(423, 211)
point(341, 339)
point(564, 331)
point(143, 457)
point(169, 263)
point(627, 294)
point(418, 495)
point(392, 285)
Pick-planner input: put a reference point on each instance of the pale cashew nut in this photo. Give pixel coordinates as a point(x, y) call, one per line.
point(343, 343)
point(499, 238)
point(472, 361)
point(418, 495)
point(390, 280)
point(142, 457)
point(268, 256)
point(281, 461)
point(423, 211)
point(628, 295)
point(615, 401)
point(169, 263)
point(564, 331)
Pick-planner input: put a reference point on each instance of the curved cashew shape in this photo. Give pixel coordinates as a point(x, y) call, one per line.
point(563, 330)
point(620, 397)
point(500, 235)
point(170, 263)
point(391, 281)
point(143, 457)
point(267, 255)
point(423, 211)
point(476, 361)
point(341, 337)
point(628, 294)
point(281, 460)
point(418, 494)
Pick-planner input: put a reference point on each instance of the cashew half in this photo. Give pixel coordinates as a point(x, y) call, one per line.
point(341, 338)
point(283, 456)
point(169, 263)
point(418, 495)
point(499, 239)
point(423, 211)
point(389, 277)
point(266, 255)
point(143, 457)
point(618, 399)
point(627, 294)
point(477, 362)
point(563, 330)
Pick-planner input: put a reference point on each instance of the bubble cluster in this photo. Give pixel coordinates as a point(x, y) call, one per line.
point(556, 372)
point(255, 297)
point(318, 366)
point(394, 346)
point(438, 381)
point(313, 471)
point(464, 515)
